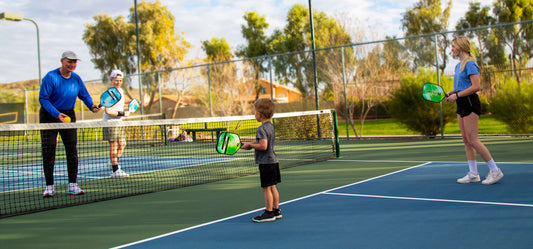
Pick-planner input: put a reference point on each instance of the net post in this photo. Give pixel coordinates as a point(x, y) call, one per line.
point(336, 134)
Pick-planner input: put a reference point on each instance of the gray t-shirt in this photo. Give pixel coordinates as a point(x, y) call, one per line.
point(266, 131)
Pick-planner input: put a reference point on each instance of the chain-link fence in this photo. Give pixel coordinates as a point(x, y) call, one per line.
point(358, 80)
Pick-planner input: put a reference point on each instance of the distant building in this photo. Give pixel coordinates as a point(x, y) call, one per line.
point(188, 108)
point(282, 93)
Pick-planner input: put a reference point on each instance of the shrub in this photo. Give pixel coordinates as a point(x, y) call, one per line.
point(417, 114)
point(513, 105)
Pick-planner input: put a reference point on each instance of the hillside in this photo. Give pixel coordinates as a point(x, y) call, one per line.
point(20, 85)
point(94, 88)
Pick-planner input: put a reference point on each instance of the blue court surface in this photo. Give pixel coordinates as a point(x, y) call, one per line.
point(31, 176)
point(420, 207)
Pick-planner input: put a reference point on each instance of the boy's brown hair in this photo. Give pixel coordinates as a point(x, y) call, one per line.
point(265, 106)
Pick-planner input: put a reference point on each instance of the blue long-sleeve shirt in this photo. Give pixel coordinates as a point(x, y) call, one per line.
point(58, 93)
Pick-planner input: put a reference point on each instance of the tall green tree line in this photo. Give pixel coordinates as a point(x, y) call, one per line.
point(112, 43)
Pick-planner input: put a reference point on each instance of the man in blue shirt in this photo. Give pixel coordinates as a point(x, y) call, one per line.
point(59, 90)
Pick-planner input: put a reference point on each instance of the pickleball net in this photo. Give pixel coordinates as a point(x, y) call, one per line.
point(159, 155)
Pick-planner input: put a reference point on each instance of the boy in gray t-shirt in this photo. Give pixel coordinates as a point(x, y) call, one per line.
point(266, 158)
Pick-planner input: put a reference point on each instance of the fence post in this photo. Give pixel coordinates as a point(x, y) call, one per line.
point(438, 82)
point(271, 84)
point(25, 106)
point(209, 91)
point(346, 112)
point(160, 98)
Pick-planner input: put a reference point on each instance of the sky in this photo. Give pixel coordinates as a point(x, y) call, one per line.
point(62, 24)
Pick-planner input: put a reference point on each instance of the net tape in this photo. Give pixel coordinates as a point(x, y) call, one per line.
point(98, 123)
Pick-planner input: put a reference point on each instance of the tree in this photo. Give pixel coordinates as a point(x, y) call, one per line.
point(160, 48)
point(427, 17)
point(112, 43)
point(369, 69)
point(222, 77)
point(296, 36)
point(518, 38)
point(217, 50)
point(257, 45)
point(485, 45)
point(477, 16)
point(394, 56)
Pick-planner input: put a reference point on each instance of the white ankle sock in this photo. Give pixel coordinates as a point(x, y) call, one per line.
point(492, 165)
point(472, 165)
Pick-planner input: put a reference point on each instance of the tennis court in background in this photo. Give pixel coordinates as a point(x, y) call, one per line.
point(419, 207)
point(31, 176)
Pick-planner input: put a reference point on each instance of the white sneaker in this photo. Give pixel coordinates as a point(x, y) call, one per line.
point(119, 174)
point(470, 177)
point(49, 191)
point(493, 177)
point(73, 189)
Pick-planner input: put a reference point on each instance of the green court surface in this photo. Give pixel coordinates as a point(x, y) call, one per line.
point(116, 222)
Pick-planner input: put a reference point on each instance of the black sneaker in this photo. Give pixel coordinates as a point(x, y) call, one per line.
point(266, 216)
point(277, 213)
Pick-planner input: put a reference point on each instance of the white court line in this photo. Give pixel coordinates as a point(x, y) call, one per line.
point(328, 193)
point(256, 210)
point(373, 178)
point(185, 229)
point(26, 172)
point(389, 161)
point(22, 172)
point(432, 199)
point(83, 177)
point(377, 161)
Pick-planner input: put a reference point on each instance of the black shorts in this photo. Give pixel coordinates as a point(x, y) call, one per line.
point(468, 104)
point(270, 174)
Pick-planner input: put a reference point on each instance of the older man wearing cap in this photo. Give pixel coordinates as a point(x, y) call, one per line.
point(59, 90)
point(116, 135)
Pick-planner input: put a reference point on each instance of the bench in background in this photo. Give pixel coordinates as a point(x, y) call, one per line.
point(194, 131)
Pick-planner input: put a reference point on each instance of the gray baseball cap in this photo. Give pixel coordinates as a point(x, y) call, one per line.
point(69, 55)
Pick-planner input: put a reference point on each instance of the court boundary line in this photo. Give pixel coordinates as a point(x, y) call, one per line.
point(393, 161)
point(376, 177)
point(432, 199)
point(377, 161)
point(83, 178)
point(185, 229)
point(259, 209)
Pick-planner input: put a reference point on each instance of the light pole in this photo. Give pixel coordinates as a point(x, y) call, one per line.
point(139, 71)
point(314, 67)
point(18, 18)
point(314, 53)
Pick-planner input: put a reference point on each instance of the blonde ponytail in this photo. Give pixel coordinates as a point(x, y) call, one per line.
point(467, 59)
